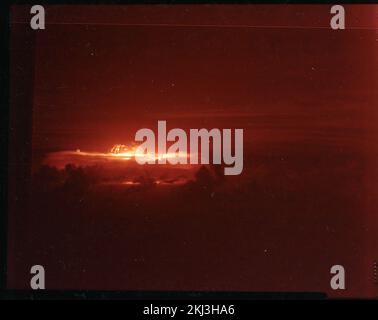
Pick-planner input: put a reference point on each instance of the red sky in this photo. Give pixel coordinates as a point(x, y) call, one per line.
point(295, 86)
point(279, 72)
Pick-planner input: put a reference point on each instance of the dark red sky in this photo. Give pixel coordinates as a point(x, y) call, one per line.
point(279, 72)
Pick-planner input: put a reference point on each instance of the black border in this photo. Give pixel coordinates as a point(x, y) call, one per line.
point(4, 131)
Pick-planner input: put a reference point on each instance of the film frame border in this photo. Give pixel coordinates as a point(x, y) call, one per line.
point(10, 294)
